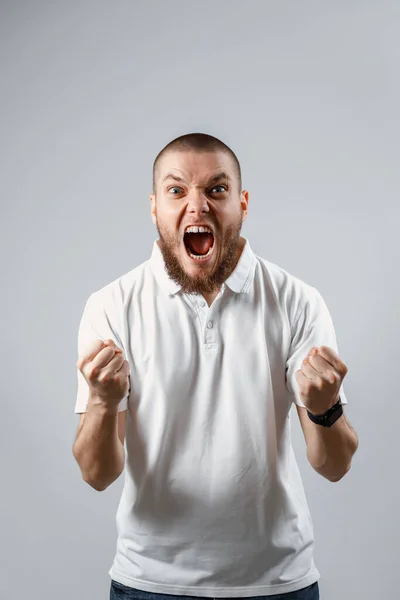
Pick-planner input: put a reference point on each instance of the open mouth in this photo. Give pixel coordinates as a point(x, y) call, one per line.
point(199, 243)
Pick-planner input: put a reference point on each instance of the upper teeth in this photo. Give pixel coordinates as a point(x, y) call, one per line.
point(194, 229)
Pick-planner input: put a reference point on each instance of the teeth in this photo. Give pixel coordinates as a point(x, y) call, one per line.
point(202, 255)
point(194, 229)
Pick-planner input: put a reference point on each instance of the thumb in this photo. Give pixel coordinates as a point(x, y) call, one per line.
point(112, 344)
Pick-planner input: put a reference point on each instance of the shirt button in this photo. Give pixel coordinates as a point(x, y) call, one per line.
point(202, 303)
point(209, 324)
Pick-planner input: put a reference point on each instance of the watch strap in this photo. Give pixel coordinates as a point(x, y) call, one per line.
point(329, 417)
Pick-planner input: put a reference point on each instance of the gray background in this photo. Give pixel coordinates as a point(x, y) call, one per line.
point(307, 94)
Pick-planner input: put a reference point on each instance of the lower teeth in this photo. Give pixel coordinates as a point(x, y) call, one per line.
point(199, 257)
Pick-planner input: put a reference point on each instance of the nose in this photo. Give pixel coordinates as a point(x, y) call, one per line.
point(197, 202)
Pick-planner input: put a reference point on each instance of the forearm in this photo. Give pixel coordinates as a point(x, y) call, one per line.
point(98, 449)
point(331, 448)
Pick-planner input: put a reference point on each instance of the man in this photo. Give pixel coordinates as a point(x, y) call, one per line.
point(188, 367)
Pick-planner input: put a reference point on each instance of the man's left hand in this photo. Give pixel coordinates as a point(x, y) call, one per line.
point(320, 378)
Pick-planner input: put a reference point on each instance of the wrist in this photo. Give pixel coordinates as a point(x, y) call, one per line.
point(322, 412)
point(99, 405)
point(329, 417)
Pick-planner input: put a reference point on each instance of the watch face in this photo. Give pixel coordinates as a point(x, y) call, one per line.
point(335, 415)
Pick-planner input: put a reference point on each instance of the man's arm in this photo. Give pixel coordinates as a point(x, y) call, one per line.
point(99, 446)
point(329, 449)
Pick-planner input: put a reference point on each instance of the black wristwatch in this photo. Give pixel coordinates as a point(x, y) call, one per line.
point(328, 418)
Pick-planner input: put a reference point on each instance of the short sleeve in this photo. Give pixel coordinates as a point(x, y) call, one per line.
point(313, 326)
point(97, 322)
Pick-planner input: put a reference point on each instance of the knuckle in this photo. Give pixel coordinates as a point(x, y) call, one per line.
point(92, 373)
point(319, 383)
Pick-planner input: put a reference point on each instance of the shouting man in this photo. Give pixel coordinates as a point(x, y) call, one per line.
point(188, 367)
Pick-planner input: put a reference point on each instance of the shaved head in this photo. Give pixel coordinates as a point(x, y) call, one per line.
point(198, 142)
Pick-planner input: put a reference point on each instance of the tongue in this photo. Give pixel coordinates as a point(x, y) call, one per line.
point(199, 243)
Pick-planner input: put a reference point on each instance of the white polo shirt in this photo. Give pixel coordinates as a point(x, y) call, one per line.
point(213, 503)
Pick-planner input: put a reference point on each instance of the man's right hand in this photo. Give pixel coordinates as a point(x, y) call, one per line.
point(106, 372)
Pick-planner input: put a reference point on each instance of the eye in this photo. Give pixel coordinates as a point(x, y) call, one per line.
point(220, 186)
point(174, 188)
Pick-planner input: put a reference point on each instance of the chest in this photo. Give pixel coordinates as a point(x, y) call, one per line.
point(184, 349)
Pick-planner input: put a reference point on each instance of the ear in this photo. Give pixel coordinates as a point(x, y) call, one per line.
point(244, 201)
point(153, 207)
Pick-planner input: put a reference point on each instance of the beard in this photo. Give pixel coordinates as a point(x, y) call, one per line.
point(206, 283)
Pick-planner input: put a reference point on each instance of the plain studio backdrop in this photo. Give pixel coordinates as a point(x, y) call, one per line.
point(307, 95)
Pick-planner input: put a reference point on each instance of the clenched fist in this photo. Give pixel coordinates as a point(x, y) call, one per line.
point(106, 372)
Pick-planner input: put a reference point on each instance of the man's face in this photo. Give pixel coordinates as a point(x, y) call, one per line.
point(201, 189)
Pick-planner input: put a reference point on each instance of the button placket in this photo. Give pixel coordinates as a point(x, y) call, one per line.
point(207, 324)
point(209, 332)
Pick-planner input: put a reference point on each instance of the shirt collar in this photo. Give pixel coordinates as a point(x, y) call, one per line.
point(239, 280)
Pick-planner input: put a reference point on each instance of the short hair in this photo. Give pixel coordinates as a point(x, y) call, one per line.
point(200, 142)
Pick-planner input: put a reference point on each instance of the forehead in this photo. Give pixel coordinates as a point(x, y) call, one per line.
point(192, 165)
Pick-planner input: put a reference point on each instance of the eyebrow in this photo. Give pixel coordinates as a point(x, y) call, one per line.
point(217, 177)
